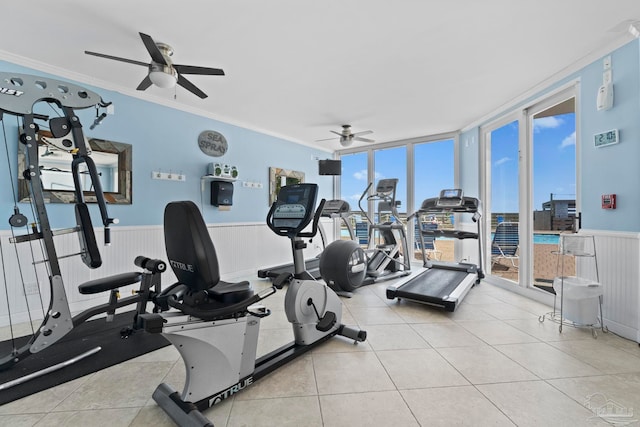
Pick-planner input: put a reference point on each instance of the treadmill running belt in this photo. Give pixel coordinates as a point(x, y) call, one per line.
point(434, 282)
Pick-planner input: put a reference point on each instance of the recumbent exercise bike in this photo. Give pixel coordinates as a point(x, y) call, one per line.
point(215, 325)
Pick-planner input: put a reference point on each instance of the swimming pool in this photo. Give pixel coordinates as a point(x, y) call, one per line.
point(548, 239)
point(543, 239)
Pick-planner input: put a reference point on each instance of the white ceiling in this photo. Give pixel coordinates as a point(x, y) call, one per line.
point(300, 68)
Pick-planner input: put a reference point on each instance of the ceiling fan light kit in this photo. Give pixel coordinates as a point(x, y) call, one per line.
point(162, 72)
point(347, 137)
point(166, 78)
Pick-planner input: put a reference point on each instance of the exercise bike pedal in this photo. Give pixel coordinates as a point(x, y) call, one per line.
point(259, 310)
point(327, 321)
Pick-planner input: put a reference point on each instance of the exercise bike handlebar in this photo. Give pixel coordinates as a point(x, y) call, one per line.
point(316, 219)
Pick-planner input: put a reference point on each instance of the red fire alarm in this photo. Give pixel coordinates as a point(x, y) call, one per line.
point(608, 201)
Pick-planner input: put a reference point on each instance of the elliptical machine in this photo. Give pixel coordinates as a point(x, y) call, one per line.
point(345, 266)
point(215, 325)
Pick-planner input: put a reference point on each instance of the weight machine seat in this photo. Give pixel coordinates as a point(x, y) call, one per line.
point(193, 258)
point(108, 283)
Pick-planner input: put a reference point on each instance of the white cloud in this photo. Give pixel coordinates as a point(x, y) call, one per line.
point(360, 175)
point(568, 141)
point(550, 122)
point(502, 161)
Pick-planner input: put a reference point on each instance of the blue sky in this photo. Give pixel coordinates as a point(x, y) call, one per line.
point(553, 166)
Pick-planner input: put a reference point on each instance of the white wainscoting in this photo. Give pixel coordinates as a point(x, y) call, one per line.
point(618, 256)
point(242, 249)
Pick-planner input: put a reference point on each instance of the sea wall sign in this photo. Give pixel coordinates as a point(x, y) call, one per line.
point(212, 143)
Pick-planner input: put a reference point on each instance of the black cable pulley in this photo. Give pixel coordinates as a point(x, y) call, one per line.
point(17, 219)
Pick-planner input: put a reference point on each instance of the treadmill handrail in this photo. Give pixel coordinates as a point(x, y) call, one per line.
point(456, 234)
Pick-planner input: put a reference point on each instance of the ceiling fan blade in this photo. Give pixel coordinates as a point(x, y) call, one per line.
point(358, 138)
point(153, 50)
point(364, 132)
point(337, 133)
point(115, 58)
point(190, 87)
point(191, 69)
point(326, 139)
point(144, 84)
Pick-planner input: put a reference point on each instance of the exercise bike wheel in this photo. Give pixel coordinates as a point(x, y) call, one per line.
point(297, 304)
point(344, 264)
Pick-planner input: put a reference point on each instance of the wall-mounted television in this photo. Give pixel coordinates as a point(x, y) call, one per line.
point(330, 167)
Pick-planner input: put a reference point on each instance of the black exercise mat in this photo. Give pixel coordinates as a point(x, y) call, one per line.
point(85, 337)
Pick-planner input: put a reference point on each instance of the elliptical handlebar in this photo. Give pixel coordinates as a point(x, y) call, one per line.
point(366, 191)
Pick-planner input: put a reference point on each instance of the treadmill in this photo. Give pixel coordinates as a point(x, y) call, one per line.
point(444, 284)
point(332, 209)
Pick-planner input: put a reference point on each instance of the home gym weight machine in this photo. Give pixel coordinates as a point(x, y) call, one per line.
point(332, 209)
point(216, 330)
point(444, 284)
point(20, 95)
point(345, 266)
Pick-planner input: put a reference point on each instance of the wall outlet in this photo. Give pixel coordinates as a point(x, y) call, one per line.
point(169, 176)
point(251, 184)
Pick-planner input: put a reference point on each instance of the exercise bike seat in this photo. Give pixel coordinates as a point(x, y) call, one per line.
point(193, 258)
point(230, 293)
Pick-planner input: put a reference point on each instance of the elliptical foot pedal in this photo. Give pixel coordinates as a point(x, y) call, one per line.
point(327, 322)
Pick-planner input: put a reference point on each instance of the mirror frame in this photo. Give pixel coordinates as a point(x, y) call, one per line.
point(122, 197)
point(274, 182)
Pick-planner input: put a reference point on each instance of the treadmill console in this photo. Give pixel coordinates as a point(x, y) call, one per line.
point(450, 198)
point(335, 207)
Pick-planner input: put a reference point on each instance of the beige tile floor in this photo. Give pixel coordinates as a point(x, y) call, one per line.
point(489, 363)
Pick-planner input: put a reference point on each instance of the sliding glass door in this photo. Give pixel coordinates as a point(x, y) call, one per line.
point(553, 185)
point(529, 189)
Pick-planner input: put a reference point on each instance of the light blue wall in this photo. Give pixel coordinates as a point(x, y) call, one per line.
point(165, 139)
point(612, 169)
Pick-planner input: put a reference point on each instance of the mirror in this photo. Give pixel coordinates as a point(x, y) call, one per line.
point(279, 177)
point(112, 159)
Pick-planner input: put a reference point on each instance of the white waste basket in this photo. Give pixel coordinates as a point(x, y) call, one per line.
point(581, 299)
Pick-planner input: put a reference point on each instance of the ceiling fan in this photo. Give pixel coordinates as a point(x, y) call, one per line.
point(162, 71)
point(347, 137)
